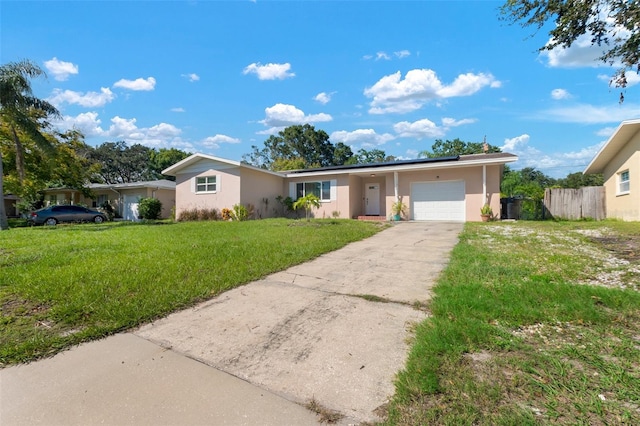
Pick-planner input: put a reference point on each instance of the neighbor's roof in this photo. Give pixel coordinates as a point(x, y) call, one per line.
point(159, 184)
point(623, 134)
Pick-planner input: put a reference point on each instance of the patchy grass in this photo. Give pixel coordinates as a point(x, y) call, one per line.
point(325, 415)
point(63, 285)
point(532, 323)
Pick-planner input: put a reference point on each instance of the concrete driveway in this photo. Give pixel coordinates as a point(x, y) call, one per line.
point(333, 330)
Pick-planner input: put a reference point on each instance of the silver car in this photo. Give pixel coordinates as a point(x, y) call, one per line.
point(57, 214)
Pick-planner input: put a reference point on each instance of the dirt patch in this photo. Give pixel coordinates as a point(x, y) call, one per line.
point(16, 306)
point(627, 247)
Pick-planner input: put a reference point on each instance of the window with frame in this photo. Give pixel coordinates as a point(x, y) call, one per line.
point(322, 189)
point(206, 184)
point(53, 199)
point(623, 182)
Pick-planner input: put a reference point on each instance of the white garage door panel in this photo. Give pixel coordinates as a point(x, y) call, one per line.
point(438, 201)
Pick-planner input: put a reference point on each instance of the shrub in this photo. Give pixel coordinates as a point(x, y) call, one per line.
point(150, 208)
point(239, 213)
point(199, 214)
point(107, 208)
point(226, 214)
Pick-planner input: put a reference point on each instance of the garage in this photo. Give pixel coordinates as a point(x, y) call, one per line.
point(443, 201)
point(130, 206)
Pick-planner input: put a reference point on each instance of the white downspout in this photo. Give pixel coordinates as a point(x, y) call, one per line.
point(484, 185)
point(395, 184)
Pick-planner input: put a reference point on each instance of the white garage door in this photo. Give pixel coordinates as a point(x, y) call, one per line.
point(438, 201)
point(130, 206)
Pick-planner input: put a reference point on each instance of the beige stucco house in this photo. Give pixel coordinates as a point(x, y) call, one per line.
point(439, 189)
point(123, 197)
point(619, 162)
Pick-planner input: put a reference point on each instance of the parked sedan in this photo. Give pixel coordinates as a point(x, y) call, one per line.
point(55, 214)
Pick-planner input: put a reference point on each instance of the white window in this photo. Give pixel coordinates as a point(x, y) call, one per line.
point(206, 184)
point(623, 182)
point(53, 199)
point(322, 190)
point(102, 199)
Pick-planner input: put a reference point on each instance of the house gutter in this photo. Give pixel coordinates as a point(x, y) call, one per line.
point(484, 184)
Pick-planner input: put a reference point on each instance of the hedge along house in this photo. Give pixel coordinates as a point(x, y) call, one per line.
point(619, 162)
point(439, 189)
point(123, 197)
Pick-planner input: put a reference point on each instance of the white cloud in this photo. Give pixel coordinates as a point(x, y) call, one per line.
point(178, 109)
point(382, 55)
point(87, 122)
point(606, 132)
point(559, 94)
point(581, 54)
point(426, 128)
point(139, 84)
point(402, 54)
point(89, 99)
point(191, 77)
point(159, 135)
point(61, 70)
point(282, 115)
point(589, 114)
point(632, 78)
point(269, 71)
point(392, 94)
point(323, 97)
point(362, 137)
point(215, 141)
point(555, 164)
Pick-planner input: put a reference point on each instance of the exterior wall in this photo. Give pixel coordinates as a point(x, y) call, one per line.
point(355, 197)
point(10, 206)
point(341, 191)
point(472, 176)
point(64, 196)
point(226, 195)
point(624, 206)
point(168, 199)
point(256, 187)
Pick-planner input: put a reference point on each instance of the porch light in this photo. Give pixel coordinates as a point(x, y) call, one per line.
point(373, 175)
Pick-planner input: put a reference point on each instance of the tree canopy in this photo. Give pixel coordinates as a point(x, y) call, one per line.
point(23, 117)
point(455, 147)
point(304, 147)
point(612, 24)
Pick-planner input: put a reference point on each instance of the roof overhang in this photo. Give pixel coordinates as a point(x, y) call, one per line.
point(445, 163)
point(623, 134)
point(195, 158)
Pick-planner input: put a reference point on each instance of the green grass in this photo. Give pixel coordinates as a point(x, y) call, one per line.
point(520, 335)
point(63, 285)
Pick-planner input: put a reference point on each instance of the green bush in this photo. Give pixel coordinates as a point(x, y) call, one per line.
point(239, 213)
point(150, 208)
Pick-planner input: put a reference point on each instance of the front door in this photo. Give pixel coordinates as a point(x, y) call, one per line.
point(372, 199)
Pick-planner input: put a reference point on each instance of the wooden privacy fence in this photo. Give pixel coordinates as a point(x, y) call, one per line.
point(573, 204)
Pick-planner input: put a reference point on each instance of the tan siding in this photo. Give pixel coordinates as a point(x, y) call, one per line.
point(625, 207)
point(226, 196)
point(257, 186)
point(355, 198)
point(340, 204)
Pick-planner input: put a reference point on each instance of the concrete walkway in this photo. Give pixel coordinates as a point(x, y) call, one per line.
point(333, 330)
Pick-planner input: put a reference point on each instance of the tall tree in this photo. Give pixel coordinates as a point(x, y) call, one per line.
point(613, 25)
point(122, 163)
point(292, 144)
point(163, 158)
point(372, 156)
point(456, 147)
point(21, 112)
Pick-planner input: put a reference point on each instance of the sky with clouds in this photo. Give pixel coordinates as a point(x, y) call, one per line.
point(217, 77)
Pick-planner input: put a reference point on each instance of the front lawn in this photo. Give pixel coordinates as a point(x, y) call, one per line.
point(63, 285)
point(532, 323)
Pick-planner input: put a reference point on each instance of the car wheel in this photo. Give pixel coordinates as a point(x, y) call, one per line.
point(51, 221)
point(98, 219)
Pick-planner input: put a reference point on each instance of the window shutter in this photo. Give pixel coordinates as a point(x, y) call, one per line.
point(292, 190)
point(334, 189)
point(193, 184)
point(217, 183)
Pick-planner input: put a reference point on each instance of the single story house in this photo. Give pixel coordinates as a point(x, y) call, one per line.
point(440, 189)
point(619, 162)
point(123, 197)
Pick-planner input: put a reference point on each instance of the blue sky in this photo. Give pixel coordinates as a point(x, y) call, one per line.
point(217, 77)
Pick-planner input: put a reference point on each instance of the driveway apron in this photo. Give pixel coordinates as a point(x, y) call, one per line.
point(333, 330)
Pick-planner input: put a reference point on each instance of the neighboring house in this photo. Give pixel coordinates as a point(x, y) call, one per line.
point(441, 189)
point(123, 197)
point(11, 205)
point(619, 162)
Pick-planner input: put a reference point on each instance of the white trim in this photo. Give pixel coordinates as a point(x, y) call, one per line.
point(619, 183)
